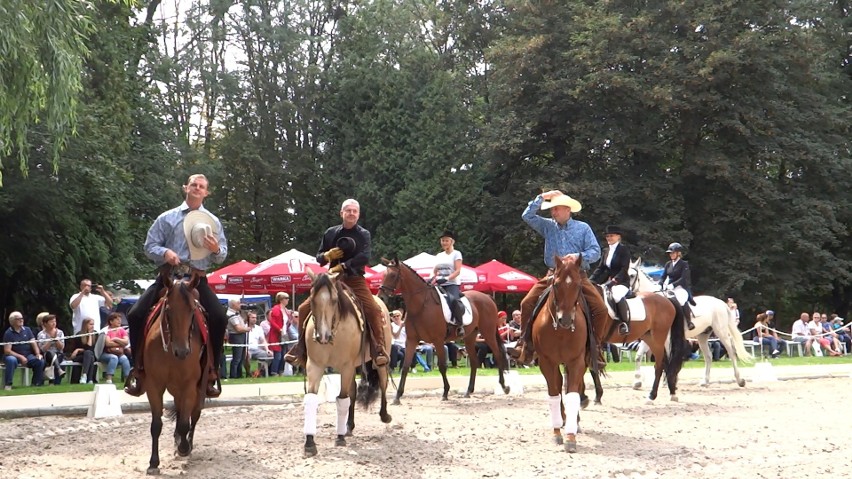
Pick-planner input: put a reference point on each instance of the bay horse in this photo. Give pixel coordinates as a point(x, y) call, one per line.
point(560, 335)
point(662, 330)
point(425, 322)
point(336, 339)
point(177, 359)
point(710, 314)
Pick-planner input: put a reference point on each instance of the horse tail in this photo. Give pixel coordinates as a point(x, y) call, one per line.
point(677, 346)
point(368, 388)
point(737, 338)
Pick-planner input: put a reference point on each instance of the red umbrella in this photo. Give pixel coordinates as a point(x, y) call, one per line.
point(217, 278)
point(497, 277)
point(274, 277)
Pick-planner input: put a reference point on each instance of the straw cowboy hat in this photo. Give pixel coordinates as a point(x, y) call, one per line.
point(196, 225)
point(562, 200)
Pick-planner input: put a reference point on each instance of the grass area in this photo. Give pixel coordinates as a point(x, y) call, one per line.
point(460, 371)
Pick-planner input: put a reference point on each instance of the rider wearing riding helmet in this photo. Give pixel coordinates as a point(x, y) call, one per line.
point(612, 273)
point(677, 277)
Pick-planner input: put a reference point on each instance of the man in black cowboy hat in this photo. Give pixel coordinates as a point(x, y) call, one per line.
point(612, 272)
point(346, 249)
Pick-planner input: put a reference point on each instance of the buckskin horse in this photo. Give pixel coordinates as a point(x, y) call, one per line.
point(425, 322)
point(336, 339)
point(711, 314)
point(177, 358)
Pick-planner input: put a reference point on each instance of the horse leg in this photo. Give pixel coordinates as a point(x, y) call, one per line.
point(155, 399)
point(185, 406)
point(553, 378)
point(473, 362)
point(499, 352)
point(406, 365)
point(350, 423)
point(571, 402)
point(596, 378)
point(704, 346)
point(658, 373)
point(442, 367)
point(383, 387)
point(311, 405)
point(728, 343)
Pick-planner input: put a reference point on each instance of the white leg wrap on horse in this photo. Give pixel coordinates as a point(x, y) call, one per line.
point(311, 403)
point(572, 409)
point(555, 410)
point(342, 414)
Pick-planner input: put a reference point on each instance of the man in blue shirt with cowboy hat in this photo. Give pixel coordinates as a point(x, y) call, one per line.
point(188, 234)
point(564, 237)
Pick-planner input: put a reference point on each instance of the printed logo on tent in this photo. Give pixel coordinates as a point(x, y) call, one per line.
point(235, 280)
point(515, 276)
point(280, 279)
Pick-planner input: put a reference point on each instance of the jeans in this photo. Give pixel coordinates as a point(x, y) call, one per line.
point(429, 351)
point(275, 367)
point(771, 342)
point(238, 353)
point(37, 365)
point(112, 361)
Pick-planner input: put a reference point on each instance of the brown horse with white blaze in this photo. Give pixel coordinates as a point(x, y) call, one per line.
point(425, 322)
point(176, 358)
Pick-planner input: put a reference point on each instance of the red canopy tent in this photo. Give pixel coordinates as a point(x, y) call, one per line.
point(497, 277)
point(287, 271)
point(217, 278)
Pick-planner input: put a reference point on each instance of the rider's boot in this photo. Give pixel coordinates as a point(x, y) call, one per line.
point(377, 336)
point(687, 315)
point(624, 316)
point(297, 356)
point(134, 383)
point(214, 386)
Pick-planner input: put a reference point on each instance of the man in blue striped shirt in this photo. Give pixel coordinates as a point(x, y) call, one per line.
point(563, 237)
point(167, 243)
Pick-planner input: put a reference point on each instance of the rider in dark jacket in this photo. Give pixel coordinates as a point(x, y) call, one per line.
point(676, 274)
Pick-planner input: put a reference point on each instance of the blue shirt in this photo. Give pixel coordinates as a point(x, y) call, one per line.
point(571, 238)
point(25, 334)
point(167, 233)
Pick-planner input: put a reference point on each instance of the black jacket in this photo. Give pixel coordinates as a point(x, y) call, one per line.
point(617, 271)
point(678, 275)
point(353, 263)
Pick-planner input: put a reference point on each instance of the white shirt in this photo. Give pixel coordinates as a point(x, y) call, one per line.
point(799, 328)
point(610, 253)
point(255, 339)
point(446, 264)
point(399, 341)
point(89, 307)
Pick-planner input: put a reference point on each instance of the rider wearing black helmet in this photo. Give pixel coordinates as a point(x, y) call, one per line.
point(676, 274)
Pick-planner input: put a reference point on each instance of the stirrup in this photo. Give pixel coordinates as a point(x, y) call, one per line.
point(133, 384)
point(525, 355)
point(624, 329)
point(380, 360)
point(293, 360)
point(214, 388)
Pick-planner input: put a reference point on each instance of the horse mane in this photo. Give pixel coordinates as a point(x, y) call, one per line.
point(185, 292)
point(400, 263)
point(343, 307)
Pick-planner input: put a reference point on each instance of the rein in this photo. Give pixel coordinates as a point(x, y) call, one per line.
point(165, 325)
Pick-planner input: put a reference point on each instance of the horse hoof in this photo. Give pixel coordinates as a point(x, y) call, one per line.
point(444, 398)
point(153, 471)
point(349, 432)
point(386, 418)
point(584, 403)
point(597, 402)
point(340, 441)
point(637, 385)
point(571, 446)
point(704, 384)
point(557, 440)
point(674, 398)
point(741, 383)
point(507, 390)
point(467, 395)
point(310, 451)
point(396, 402)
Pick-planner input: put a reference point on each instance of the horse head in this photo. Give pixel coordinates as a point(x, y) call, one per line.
point(639, 279)
point(390, 280)
point(178, 314)
point(325, 300)
point(567, 284)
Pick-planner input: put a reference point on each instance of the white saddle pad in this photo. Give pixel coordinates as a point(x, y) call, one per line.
point(636, 307)
point(467, 318)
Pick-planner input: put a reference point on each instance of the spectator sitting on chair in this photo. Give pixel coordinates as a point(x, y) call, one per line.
point(452, 350)
point(842, 333)
point(27, 354)
point(763, 336)
point(115, 345)
point(816, 330)
point(398, 343)
point(800, 333)
point(830, 334)
point(51, 341)
point(773, 330)
point(257, 347)
point(84, 352)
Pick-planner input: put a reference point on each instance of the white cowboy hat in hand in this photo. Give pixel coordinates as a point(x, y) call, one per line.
point(196, 226)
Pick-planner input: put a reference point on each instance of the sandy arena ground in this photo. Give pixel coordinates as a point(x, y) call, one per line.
point(788, 429)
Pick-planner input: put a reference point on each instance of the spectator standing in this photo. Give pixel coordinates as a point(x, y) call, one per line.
point(735, 312)
point(277, 321)
point(26, 354)
point(51, 341)
point(237, 337)
point(88, 303)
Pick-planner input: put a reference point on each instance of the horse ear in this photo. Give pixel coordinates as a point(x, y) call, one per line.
point(196, 278)
point(311, 274)
point(384, 261)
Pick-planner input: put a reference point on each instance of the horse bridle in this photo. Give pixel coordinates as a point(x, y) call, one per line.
point(389, 290)
point(165, 330)
point(553, 306)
